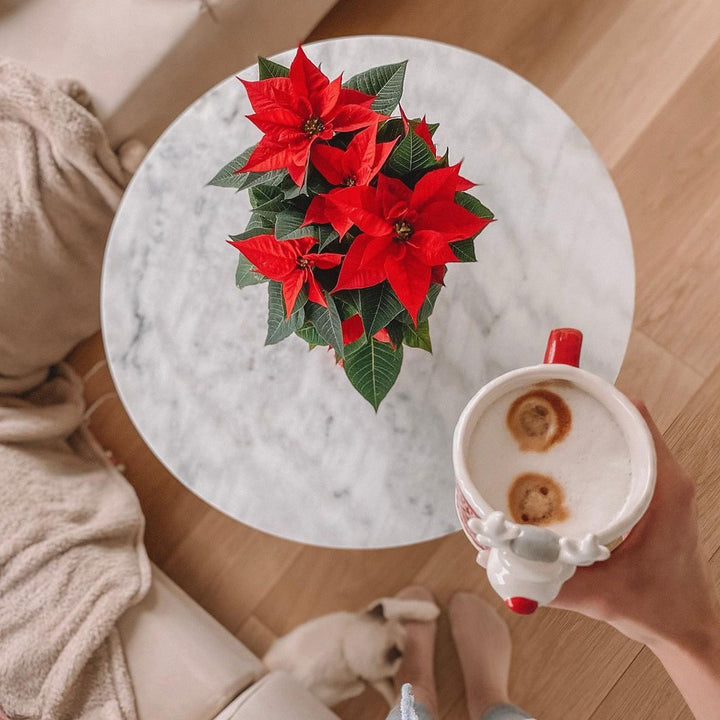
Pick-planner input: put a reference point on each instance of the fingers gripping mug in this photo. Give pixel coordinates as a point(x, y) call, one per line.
point(553, 466)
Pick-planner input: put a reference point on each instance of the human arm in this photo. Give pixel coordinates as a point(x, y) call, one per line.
point(656, 587)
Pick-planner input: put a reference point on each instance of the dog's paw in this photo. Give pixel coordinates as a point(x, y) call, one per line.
point(404, 609)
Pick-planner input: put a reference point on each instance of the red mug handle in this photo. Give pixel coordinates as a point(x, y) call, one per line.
point(564, 346)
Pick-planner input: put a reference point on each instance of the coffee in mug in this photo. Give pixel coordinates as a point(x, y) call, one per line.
point(549, 454)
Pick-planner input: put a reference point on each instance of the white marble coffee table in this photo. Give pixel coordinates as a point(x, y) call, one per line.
point(276, 436)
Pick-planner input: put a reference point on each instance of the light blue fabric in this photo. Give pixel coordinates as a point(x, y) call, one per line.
point(505, 712)
point(408, 709)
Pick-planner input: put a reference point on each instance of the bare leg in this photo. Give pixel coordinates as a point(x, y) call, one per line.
point(483, 644)
point(418, 658)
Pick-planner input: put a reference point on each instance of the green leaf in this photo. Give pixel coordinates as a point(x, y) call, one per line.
point(325, 234)
point(246, 273)
point(385, 82)
point(389, 130)
point(316, 184)
point(410, 155)
point(278, 327)
point(426, 309)
point(241, 181)
point(264, 196)
point(372, 368)
point(226, 177)
point(269, 69)
point(444, 161)
point(377, 306)
point(252, 232)
point(471, 203)
point(310, 335)
point(287, 225)
point(326, 321)
point(260, 223)
point(348, 299)
point(464, 250)
point(418, 337)
point(396, 330)
point(393, 128)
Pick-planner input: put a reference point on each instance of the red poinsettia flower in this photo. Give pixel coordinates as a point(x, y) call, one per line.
point(288, 262)
point(331, 207)
point(405, 233)
point(357, 165)
point(353, 328)
point(295, 111)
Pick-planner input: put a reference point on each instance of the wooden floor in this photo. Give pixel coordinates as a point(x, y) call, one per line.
point(642, 79)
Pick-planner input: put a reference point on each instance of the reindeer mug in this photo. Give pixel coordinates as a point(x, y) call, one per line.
point(527, 564)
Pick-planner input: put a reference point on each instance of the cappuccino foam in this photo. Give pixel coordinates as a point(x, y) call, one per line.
point(561, 462)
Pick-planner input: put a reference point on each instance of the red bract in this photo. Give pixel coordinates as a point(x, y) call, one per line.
point(405, 233)
point(357, 165)
point(353, 328)
point(288, 262)
point(295, 111)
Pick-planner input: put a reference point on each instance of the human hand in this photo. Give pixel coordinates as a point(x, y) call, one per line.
point(655, 588)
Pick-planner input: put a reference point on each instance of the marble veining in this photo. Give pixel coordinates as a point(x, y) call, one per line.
point(276, 436)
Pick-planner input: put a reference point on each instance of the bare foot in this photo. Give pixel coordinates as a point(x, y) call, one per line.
point(418, 658)
point(483, 644)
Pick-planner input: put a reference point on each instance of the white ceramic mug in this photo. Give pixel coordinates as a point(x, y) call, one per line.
point(527, 565)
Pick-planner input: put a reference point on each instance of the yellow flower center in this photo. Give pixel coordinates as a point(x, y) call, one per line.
point(403, 230)
point(313, 126)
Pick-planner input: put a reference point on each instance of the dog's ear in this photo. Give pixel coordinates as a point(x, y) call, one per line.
point(402, 609)
point(376, 610)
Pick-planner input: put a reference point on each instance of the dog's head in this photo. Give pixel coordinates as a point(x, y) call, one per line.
point(375, 641)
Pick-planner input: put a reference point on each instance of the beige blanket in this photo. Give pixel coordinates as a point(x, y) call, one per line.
point(71, 553)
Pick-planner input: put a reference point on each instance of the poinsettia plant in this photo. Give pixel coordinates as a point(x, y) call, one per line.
point(354, 216)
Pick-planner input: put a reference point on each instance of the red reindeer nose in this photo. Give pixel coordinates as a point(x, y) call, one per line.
point(521, 605)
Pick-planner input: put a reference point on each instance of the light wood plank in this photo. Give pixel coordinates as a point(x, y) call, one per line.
point(256, 636)
point(323, 580)
point(229, 567)
point(669, 183)
point(652, 373)
point(694, 438)
point(644, 692)
point(678, 305)
point(629, 74)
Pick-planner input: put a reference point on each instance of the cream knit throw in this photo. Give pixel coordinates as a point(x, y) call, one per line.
point(71, 553)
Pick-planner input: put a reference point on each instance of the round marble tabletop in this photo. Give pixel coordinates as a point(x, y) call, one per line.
point(276, 436)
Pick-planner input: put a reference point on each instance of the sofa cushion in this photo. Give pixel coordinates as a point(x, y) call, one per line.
point(183, 663)
point(109, 47)
point(143, 61)
point(278, 696)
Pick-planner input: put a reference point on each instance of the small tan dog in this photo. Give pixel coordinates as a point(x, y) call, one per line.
point(335, 655)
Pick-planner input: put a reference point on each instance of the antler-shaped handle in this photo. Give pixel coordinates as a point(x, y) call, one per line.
point(494, 530)
point(582, 552)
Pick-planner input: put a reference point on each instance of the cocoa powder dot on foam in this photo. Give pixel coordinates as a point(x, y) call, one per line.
point(536, 499)
point(538, 420)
